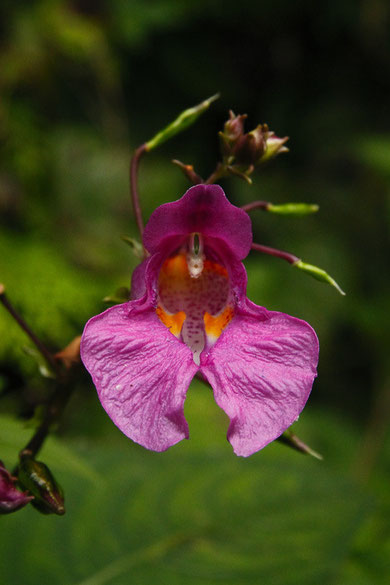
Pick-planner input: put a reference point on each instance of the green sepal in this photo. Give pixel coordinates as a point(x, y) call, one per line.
point(37, 478)
point(293, 208)
point(121, 295)
point(136, 246)
point(318, 274)
point(182, 122)
point(288, 438)
point(44, 368)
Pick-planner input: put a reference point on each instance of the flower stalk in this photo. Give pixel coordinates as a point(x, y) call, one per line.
point(134, 163)
point(314, 271)
point(27, 329)
point(29, 471)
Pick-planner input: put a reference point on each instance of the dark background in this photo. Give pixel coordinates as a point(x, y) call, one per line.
point(82, 84)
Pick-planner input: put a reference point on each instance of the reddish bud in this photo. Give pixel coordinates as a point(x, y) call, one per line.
point(233, 130)
point(11, 499)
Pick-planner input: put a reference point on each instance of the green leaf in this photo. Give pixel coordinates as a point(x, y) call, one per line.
point(136, 246)
point(196, 514)
point(183, 121)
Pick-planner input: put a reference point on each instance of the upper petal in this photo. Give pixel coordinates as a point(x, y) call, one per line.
point(141, 372)
point(262, 369)
point(204, 209)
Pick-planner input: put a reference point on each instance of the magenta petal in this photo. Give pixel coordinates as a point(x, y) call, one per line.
point(138, 284)
point(262, 369)
point(204, 209)
point(141, 372)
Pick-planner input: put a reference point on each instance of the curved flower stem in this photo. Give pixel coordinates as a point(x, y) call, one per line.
point(290, 258)
point(54, 410)
point(69, 357)
point(218, 173)
point(23, 325)
point(134, 186)
point(256, 205)
point(314, 271)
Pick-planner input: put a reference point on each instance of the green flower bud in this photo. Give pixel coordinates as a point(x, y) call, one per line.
point(288, 438)
point(318, 274)
point(273, 146)
point(183, 121)
point(293, 208)
point(37, 478)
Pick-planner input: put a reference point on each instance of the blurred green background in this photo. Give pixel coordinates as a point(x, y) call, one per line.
point(82, 84)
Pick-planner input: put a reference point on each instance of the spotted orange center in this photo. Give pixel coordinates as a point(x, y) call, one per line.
point(195, 307)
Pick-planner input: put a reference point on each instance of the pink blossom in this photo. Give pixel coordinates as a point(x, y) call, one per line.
point(189, 314)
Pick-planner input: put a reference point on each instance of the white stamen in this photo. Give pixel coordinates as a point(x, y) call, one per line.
point(195, 257)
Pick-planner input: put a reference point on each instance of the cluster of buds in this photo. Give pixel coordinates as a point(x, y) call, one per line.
point(42, 490)
point(242, 152)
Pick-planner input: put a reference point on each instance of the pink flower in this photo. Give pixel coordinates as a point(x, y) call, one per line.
point(11, 499)
point(190, 314)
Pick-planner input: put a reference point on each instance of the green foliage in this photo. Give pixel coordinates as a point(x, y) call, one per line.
point(53, 296)
point(82, 84)
point(197, 514)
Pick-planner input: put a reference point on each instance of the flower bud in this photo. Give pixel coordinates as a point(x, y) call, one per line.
point(233, 130)
point(183, 121)
point(292, 208)
point(241, 152)
point(291, 440)
point(38, 479)
point(318, 274)
point(11, 499)
point(273, 146)
point(250, 147)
